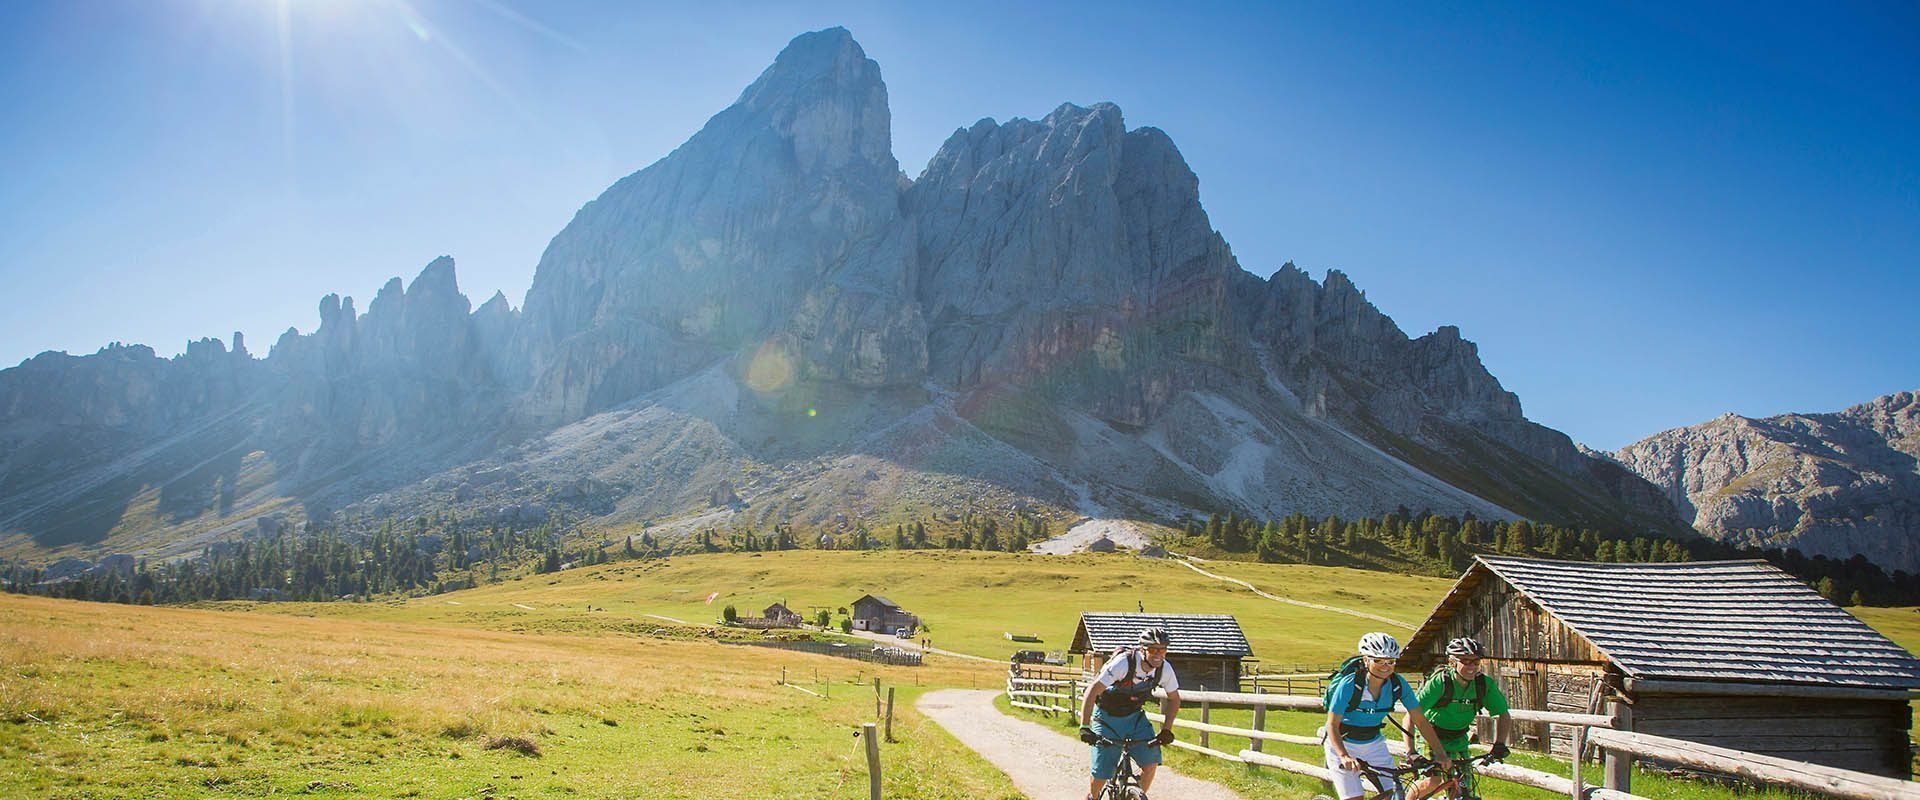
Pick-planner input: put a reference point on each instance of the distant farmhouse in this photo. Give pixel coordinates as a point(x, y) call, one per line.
point(1204, 649)
point(775, 616)
point(880, 615)
point(1735, 654)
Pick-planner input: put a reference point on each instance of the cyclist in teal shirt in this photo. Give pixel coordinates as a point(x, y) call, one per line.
point(1358, 703)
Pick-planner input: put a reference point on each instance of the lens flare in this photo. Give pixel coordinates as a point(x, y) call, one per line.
point(770, 370)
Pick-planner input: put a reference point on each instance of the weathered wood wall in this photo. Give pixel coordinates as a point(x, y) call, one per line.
point(1210, 673)
point(1861, 735)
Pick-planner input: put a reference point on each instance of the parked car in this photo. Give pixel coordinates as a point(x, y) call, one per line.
point(1029, 657)
point(904, 633)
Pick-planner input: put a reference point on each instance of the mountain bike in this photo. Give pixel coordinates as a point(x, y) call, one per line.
point(1391, 783)
point(1126, 780)
point(1460, 778)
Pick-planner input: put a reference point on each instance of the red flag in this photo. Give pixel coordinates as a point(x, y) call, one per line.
point(711, 596)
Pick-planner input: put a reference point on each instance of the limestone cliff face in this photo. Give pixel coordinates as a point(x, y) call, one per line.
point(81, 435)
point(415, 366)
point(1829, 484)
point(1073, 255)
point(786, 203)
point(1045, 313)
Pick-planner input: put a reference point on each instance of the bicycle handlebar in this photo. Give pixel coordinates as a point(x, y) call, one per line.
point(1425, 766)
point(1106, 742)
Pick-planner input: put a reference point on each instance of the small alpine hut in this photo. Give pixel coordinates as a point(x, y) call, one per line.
point(1736, 654)
point(878, 614)
point(780, 615)
point(1204, 649)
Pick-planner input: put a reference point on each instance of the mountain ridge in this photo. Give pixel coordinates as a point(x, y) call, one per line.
point(1829, 484)
point(1043, 320)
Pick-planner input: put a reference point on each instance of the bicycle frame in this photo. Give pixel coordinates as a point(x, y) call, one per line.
point(1462, 782)
point(1124, 775)
point(1461, 773)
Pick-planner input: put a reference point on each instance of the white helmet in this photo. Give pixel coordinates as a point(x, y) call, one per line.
point(1379, 645)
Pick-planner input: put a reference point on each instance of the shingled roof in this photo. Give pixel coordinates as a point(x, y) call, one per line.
point(884, 602)
point(1704, 620)
point(1188, 634)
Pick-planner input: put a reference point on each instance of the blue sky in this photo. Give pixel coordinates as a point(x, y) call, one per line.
point(1645, 215)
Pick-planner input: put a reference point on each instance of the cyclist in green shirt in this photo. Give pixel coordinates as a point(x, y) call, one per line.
point(1455, 694)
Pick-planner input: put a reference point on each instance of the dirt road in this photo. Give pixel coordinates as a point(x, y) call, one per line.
point(1043, 762)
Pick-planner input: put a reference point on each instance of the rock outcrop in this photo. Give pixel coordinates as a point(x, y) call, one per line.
point(1834, 484)
point(779, 223)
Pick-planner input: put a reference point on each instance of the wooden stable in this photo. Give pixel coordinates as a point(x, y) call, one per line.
point(1735, 654)
point(1204, 649)
point(878, 614)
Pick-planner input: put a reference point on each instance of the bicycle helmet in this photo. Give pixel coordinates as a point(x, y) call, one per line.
point(1379, 645)
point(1153, 636)
point(1465, 646)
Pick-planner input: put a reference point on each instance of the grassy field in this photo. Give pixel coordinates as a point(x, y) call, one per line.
point(968, 600)
point(518, 689)
point(103, 701)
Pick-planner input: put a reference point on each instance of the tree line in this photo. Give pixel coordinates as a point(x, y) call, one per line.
point(428, 554)
point(437, 553)
point(1446, 545)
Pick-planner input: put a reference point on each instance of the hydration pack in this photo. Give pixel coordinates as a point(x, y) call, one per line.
point(1125, 699)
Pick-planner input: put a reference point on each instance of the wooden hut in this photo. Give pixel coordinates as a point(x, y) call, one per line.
point(1736, 654)
point(1204, 649)
point(775, 616)
point(779, 614)
point(880, 615)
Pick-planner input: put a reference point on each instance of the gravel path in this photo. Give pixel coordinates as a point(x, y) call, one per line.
point(914, 644)
point(1043, 762)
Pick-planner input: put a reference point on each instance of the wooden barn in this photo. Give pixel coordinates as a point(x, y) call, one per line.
point(779, 614)
point(775, 616)
point(1204, 649)
point(1736, 654)
point(880, 615)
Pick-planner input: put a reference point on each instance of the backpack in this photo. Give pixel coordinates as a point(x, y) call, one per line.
point(1446, 689)
point(1124, 701)
point(1352, 668)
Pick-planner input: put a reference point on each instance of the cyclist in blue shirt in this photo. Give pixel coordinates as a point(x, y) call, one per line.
point(1358, 703)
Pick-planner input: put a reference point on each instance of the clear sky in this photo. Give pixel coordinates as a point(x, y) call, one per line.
point(1645, 214)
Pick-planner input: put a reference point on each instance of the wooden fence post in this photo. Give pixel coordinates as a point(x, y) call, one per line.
point(889, 713)
point(1579, 747)
point(1620, 765)
point(1205, 707)
point(1259, 724)
point(873, 761)
point(876, 698)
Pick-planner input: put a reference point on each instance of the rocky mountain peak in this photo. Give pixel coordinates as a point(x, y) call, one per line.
point(824, 94)
point(1830, 484)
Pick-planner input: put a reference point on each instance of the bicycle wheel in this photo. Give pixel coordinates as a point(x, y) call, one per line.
point(1136, 793)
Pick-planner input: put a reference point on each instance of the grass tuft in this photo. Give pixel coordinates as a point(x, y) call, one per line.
point(519, 744)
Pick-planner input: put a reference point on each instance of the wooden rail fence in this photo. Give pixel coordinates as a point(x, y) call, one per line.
point(1056, 691)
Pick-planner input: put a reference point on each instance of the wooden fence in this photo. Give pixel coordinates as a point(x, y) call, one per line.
point(1047, 690)
point(896, 656)
point(1059, 691)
